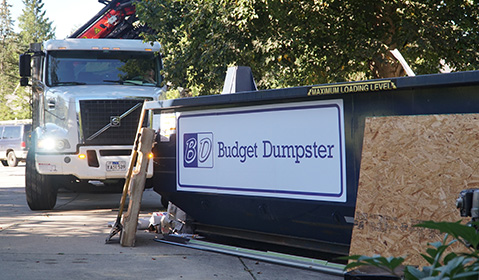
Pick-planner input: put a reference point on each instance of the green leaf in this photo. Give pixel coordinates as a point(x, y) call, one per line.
point(461, 232)
point(428, 258)
point(449, 257)
point(414, 273)
point(396, 262)
point(473, 275)
point(387, 264)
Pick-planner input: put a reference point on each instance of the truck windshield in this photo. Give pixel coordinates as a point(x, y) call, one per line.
point(102, 68)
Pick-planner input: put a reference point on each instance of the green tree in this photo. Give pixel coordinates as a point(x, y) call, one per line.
point(199, 41)
point(8, 66)
point(35, 26)
point(291, 43)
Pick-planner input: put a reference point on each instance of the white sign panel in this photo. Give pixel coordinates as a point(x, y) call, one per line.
point(285, 151)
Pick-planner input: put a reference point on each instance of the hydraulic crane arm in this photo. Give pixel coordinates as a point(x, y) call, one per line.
point(115, 20)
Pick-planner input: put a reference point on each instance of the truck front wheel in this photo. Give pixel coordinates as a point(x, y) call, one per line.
point(40, 190)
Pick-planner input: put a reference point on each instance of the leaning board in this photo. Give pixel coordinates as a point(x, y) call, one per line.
point(412, 170)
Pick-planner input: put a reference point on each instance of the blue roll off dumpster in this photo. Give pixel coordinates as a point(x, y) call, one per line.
point(282, 166)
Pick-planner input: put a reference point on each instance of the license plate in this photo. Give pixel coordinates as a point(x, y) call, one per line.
point(115, 166)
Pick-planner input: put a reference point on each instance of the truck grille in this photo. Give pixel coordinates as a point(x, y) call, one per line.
point(96, 114)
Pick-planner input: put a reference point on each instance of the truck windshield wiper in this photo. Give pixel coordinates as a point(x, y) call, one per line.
point(68, 83)
point(121, 82)
point(114, 81)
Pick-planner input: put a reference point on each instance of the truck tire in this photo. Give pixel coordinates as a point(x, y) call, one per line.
point(12, 159)
point(40, 190)
point(4, 163)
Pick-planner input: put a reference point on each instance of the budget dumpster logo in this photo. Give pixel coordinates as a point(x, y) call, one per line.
point(265, 150)
point(198, 150)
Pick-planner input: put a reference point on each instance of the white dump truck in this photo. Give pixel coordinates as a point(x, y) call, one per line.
point(87, 96)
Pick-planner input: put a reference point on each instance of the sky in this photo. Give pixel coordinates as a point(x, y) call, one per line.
point(65, 15)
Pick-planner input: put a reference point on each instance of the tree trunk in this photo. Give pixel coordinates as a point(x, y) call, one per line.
point(385, 65)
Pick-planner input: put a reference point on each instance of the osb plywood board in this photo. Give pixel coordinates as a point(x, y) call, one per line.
point(412, 170)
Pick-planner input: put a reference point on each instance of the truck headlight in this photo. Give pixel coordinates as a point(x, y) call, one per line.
point(51, 144)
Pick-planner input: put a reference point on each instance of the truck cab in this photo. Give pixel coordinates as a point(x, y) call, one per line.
point(87, 96)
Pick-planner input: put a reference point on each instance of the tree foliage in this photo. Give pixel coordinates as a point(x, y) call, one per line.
point(8, 64)
point(15, 100)
point(7, 48)
point(292, 43)
point(35, 26)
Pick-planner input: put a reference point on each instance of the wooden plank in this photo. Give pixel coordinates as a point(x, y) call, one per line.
point(136, 188)
point(412, 170)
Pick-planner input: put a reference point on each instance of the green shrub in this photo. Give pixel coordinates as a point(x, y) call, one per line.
point(443, 264)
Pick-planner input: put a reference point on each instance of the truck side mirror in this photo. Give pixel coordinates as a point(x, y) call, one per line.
point(24, 81)
point(25, 65)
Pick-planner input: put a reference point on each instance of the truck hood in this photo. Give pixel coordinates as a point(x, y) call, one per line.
point(105, 92)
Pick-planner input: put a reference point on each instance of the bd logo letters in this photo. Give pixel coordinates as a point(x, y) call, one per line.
point(198, 150)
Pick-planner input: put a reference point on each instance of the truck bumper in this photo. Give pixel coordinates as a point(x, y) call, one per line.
point(106, 166)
